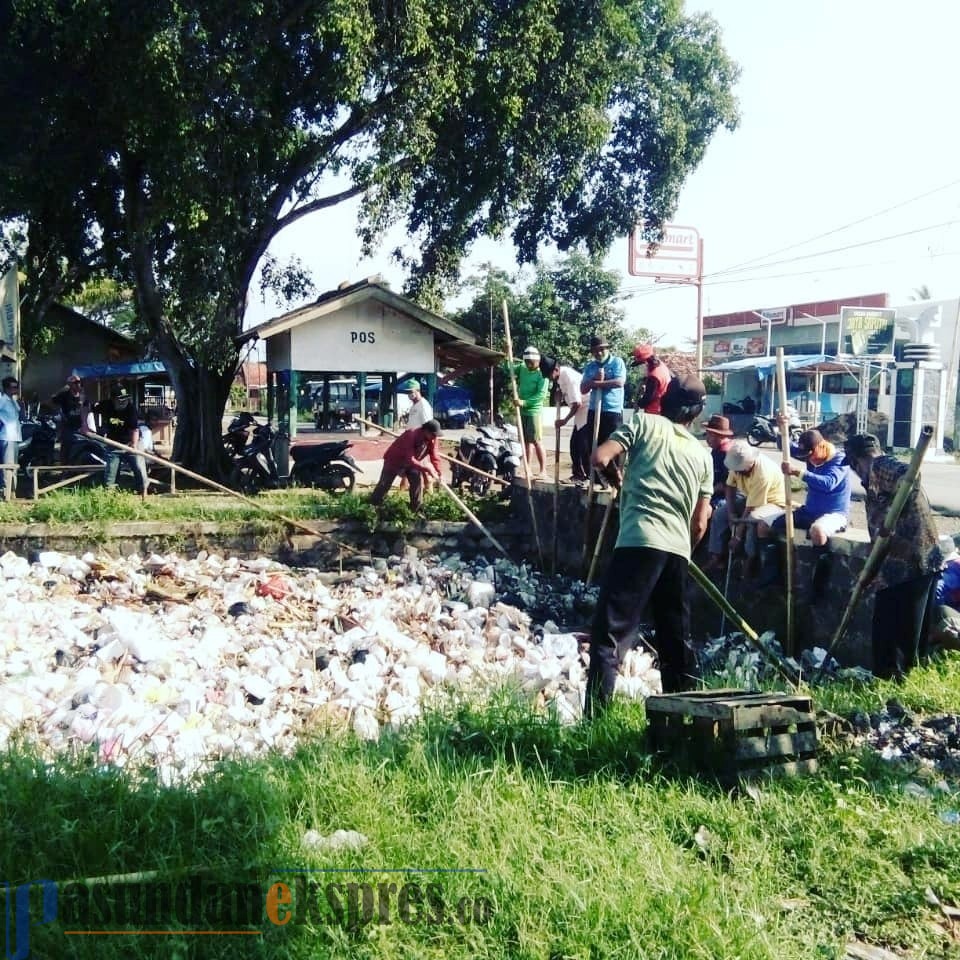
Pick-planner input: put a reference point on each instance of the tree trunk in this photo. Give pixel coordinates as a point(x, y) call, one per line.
point(201, 398)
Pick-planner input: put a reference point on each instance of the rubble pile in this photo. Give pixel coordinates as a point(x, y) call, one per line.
point(174, 662)
point(740, 664)
point(899, 735)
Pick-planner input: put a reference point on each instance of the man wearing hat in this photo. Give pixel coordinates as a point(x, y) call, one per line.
point(121, 423)
point(532, 390)
point(718, 436)
point(603, 379)
point(654, 385)
point(907, 576)
point(420, 410)
point(664, 508)
point(754, 490)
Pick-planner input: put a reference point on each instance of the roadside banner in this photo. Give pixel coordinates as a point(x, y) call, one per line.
point(10, 324)
point(867, 332)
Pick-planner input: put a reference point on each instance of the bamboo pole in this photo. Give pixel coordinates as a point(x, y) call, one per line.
point(296, 524)
point(787, 496)
point(473, 518)
point(753, 638)
point(601, 536)
point(882, 543)
point(440, 454)
point(596, 398)
point(556, 502)
point(523, 445)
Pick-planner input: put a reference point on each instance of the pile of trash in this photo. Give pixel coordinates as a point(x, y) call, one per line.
point(899, 735)
point(175, 662)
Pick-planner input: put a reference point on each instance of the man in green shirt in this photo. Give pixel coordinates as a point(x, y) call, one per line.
point(664, 509)
point(532, 390)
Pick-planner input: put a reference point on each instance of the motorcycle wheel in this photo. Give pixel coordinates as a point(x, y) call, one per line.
point(755, 438)
point(333, 477)
point(245, 480)
point(479, 485)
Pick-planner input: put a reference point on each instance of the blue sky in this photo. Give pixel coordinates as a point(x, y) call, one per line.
point(848, 136)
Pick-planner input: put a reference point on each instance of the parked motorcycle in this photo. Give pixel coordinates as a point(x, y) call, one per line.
point(237, 436)
point(39, 442)
point(491, 449)
point(326, 466)
point(255, 468)
point(767, 429)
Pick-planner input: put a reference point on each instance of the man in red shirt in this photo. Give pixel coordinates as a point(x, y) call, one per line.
point(404, 458)
point(655, 384)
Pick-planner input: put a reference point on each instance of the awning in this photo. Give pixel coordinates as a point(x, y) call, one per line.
point(116, 371)
point(805, 363)
point(459, 353)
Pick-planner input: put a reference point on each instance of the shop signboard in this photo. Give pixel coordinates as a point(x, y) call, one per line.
point(867, 332)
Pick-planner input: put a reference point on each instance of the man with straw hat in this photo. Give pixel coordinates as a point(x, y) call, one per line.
point(664, 508)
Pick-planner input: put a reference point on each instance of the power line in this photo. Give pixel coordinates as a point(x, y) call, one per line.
point(846, 226)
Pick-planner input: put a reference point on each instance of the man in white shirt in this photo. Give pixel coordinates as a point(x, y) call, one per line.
point(569, 381)
point(10, 433)
point(420, 409)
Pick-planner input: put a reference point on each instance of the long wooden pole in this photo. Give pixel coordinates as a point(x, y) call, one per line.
point(523, 444)
point(881, 544)
point(787, 496)
point(440, 454)
point(601, 536)
point(296, 524)
point(556, 502)
point(752, 636)
point(595, 399)
point(473, 517)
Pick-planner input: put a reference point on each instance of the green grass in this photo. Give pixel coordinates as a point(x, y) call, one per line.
point(102, 507)
point(588, 848)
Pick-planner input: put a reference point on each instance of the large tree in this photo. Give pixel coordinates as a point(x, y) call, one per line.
point(165, 143)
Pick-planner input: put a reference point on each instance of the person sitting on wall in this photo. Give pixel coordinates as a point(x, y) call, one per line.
point(719, 437)
point(74, 409)
point(404, 457)
point(760, 482)
point(827, 507)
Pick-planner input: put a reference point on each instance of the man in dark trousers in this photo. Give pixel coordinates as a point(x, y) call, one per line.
point(73, 412)
point(664, 509)
point(404, 457)
point(120, 421)
point(907, 576)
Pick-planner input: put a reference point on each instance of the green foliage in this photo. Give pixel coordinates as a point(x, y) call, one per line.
point(169, 143)
point(584, 847)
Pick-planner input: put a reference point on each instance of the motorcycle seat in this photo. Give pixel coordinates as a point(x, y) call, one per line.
point(318, 450)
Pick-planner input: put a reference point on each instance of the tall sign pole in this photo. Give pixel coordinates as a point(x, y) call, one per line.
point(678, 258)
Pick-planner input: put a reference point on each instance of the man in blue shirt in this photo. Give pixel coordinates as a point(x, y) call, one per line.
point(603, 379)
point(10, 434)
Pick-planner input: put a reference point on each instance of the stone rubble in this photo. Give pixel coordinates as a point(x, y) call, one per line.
point(173, 663)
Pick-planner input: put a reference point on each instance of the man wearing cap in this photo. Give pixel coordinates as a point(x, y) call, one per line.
point(569, 381)
point(10, 433)
point(603, 379)
point(827, 507)
point(907, 576)
point(120, 422)
point(404, 457)
point(73, 414)
point(760, 483)
point(654, 385)
point(420, 410)
point(664, 508)
point(532, 390)
point(718, 436)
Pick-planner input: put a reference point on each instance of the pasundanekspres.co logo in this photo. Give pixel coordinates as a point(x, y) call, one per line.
point(199, 906)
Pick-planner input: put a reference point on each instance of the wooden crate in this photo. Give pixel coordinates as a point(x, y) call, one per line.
point(729, 734)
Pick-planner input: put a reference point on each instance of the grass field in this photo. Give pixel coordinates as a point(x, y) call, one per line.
point(578, 845)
